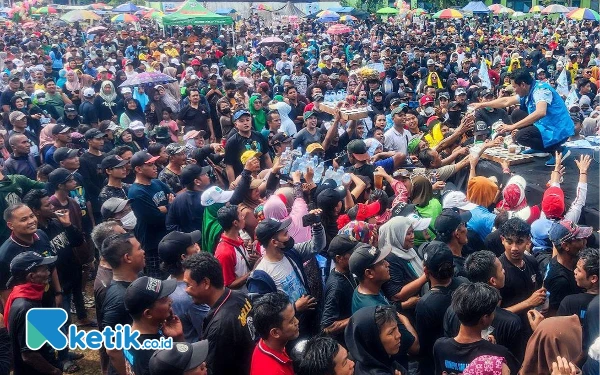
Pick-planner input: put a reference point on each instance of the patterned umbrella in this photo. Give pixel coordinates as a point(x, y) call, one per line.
point(517, 14)
point(505, 10)
point(583, 14)
point(46, 10)
point(129, 18)
point(555, 8)
point(328, 16)
point(148, 79)
point(448, 13)
point(271, 41)
point(126, 8)
point(348, 18)
point(418, 12)
point(98, 6)
point(262, 7)
point(29, 25)
point(339, 29)
point(80, 15)
point(536, 9)
point(495, 8)
point(96, 30)
point(387, 10)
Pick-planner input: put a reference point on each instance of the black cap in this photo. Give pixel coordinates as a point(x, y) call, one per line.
point(25, 262)
point(191, 172)
point(268, 228)
point(94, 133)
point(325, 184)
point(144, 291)
point(113, 206)
point(63, 153)
point(453, 104)
point(358, 149)
point(113, 161)
point(280, 138)
point(485, 92)
point(436, 254)
point(70, 108)
point(364, 256)
point(403, 209)
point(59, 176)
point(141, 158)
point(341, 244)
point(175, 243)
point(449, 219)
point(61, 129)
point(14, 77)
point(480, 128)
point(180, 358)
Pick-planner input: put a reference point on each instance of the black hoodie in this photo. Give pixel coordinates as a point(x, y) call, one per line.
point(364, 345)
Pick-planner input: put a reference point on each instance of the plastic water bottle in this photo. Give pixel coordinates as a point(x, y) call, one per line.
point(302, 164)
point(387, 85)
point(329, 173)
point(346, 178)
point(286, 160)
point(340, 95)
point(295, 165)
point(338, 176)
point(298, 151)
point(319, 173)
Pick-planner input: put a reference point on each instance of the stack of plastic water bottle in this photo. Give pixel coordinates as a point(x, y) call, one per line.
point(331, 96)
point(294, 160)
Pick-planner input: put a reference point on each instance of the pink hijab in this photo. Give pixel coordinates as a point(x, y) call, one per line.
point(275, 208)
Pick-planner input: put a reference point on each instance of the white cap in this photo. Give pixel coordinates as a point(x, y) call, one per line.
point(89, 92)
point(418, 223)
point(136, 125)
point(125, 89)
point(215, 194)
point(457, 199)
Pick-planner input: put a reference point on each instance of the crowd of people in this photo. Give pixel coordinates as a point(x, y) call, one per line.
point(181, 201)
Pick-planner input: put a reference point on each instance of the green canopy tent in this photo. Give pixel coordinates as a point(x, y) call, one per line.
point(193, 13)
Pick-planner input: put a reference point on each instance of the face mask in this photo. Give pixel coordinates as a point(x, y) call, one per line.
point(129, 221)
point(489, 109)
point(226, 111)
point(41, 101)
point(289, 244)
point(429, 111)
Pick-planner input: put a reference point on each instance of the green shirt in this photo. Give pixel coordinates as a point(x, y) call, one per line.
point(360, 300)
point(432, 210)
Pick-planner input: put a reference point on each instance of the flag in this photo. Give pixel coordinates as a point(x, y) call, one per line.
point(571, 99)
point(562, 83)
point(484, 75)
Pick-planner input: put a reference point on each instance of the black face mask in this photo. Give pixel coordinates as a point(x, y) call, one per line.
point(226, 111)
point(289, 244)
point(454, 117)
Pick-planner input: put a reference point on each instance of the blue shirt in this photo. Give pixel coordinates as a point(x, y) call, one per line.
point(191, 315)
point(482, 221)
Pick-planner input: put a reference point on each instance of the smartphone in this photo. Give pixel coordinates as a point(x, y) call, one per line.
point(310, 219)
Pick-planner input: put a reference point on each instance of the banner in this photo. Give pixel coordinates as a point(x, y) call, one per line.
point(484, 74)
point(562, 84)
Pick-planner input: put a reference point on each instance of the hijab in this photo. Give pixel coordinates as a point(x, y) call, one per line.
point(560, 335)
point(211, 229)
point(393, 234)
point(481, 191)
point(259, 116)
point(72, 83)
point(275, 208)
point(109, 98)
point(134, 114)
point(430, 81)
point(141, 98)
point(513, 194)
point(364, 344)
point(422, 191)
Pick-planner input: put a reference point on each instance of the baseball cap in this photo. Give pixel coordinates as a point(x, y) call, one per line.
point(144, 291)
point(436, 254)
point(89, 92)
point(358, 149)
point(70, 108)
point(444, 95)
point(193, 134)
point(453, 104)
point(59, 176)
point(215, 194)
point(240, 113)
point(174, 149)
point(175, 243)
point(136, 125)
point(101, 70)
point(179, 359)
point(402, 108)
point(364, 256)
point(247, 155)
point(308, 114)
point(367, 211)
point(566, 230)
point(142, 157)
point(63, 153)
point(280, 137)
point(425, 100)
point(548, 54)
point(450, 219)
point(486, 92)
point(314, 147)
point(540, 70)
point(16, 116)
point(190, 172)
point(94, 133)
point(553, 202)
point(113, 206)
point(417, 222)
point(341, 244)
point(460, 91)
point(113, 161)
point(27, 261)
point(457, 199)
point(61, 129)
point(430, 62)
point(268, 228)
point(480, 128)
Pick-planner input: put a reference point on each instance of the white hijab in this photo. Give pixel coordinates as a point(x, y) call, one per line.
point(393, 234)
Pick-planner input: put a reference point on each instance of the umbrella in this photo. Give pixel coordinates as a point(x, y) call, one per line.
point(262, 7)
point(505, 11)
point(583, 14)
point(126, 8)
point(555, 8)
point(517, 14)
point(98, 6)
point(448, 13)
point(129, 18)
point(418, 12)
point(387, 10)
point(148, 79)
point(339, 29)
point(46, 10)
point(29, 25)
point(495, 7)
point(328, 16)
point(348, 18)
point(270, 41)
point(80, 15)
point(96, 30)
point(536, 9)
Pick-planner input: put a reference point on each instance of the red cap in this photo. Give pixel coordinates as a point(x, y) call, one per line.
point(195, 62)
point(425, 100)
point(269, 63)
point(432, 119)
point(367, 211)
point(553, 203)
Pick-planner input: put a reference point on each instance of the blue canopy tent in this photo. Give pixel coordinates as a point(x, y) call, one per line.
point(476, 7)
point(342, 9)
point(126, 8)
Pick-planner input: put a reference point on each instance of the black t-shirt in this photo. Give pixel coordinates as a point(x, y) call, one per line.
point(575, 304)
point(364, 170)
point(507, 330)
point(237, 144)
point(12, 247)
point(137, 361)
point(519, 283)
point(459, 266)
point(452, 357)
point(338, 299)
point(113, 308)
point(401, 273)
point(195, 118)
point(490, 117)
point(429, 318)
point(93, 177)
point(560, 282)
point(16, 325)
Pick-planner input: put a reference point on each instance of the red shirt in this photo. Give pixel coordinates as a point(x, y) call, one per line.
point(266, 361)
point(226, 254)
